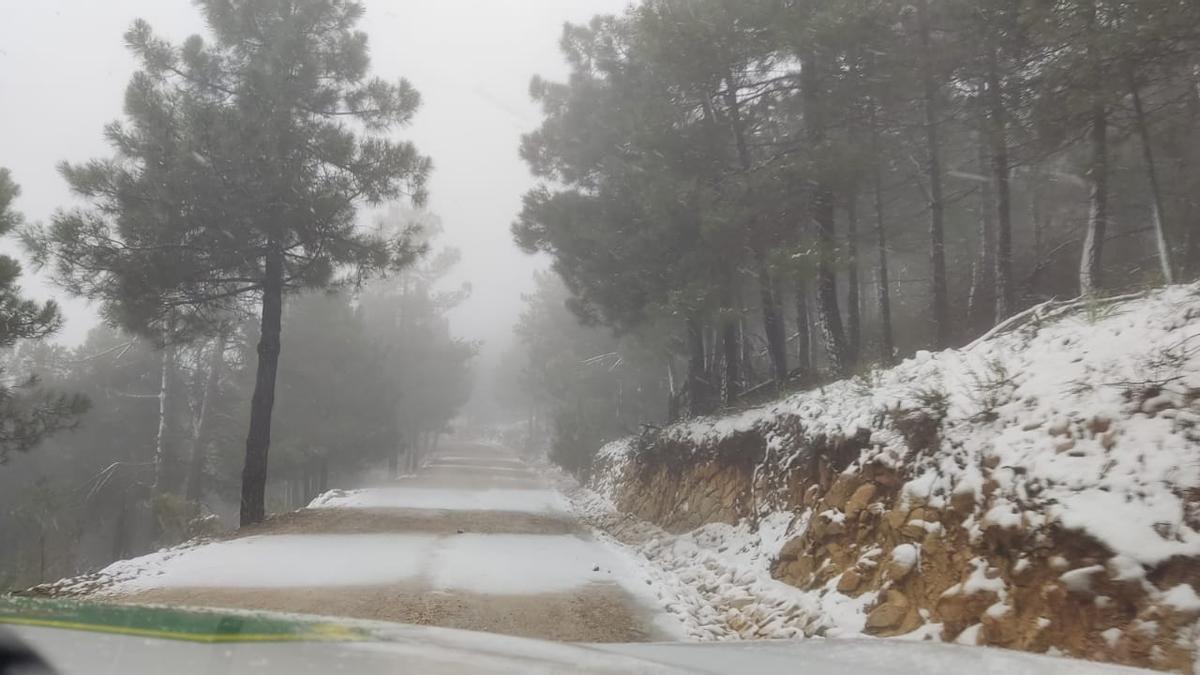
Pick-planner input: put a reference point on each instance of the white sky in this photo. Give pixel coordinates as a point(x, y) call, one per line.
point(64, 67)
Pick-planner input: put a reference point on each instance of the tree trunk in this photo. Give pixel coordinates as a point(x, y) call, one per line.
point(306, 481)
point(730, 353)
point(1037, 216)
point(1090, 269)
point(853, 320)
point(120, 527)
point(772, 314)
point(939, 311)
point(672, 395)
point(699, 399)
point(1191, 248)
point(745, 348)
point(529, 442)
point(979, 314)
point(1159, 214)
point(164, 458)
point(772, 321)
point(262, 403)
point(1001, 176)
point(195, 480)
point(829, 319)
point(803, 327)
point(41, 555)
point(887, 348)
point(1090, 264)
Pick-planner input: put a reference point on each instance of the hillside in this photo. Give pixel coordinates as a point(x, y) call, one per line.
point(1038, 489)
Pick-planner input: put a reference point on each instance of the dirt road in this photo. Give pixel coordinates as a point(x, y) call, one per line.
point(476, 540)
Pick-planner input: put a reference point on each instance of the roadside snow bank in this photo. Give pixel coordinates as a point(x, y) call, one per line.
point(716, 580)
point(1064, 441)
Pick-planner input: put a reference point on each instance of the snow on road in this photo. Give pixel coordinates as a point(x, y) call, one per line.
point(525, 563)
point(494, 563)
point(447, 499)
point(479, 563)
point(277, 561)
point(546, 576)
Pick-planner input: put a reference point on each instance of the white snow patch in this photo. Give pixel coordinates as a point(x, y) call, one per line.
point(525, 563)
point(906, 556)
point(1112, 636)
point(969, 635)
point(1134, 534)
point(998, 609)
point(278, 561)
point(1124, 568)
point(978, 582)
point(1183, 598)
point(1003, 515)
point(526, 501)
point(1080, 580)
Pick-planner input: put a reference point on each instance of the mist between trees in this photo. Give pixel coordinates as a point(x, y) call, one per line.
point(371, 377)
point(236, 180)
point(748, 197)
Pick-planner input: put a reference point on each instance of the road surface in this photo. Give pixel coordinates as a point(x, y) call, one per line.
point(477, 540)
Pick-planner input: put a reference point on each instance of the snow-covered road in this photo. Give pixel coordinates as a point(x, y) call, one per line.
point(477, 540)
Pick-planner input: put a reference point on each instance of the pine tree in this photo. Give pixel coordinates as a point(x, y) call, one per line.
point(28, 414)
point(236, 181)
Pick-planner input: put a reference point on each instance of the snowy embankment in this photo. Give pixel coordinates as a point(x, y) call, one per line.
point(716, 580)
point(1044, 482)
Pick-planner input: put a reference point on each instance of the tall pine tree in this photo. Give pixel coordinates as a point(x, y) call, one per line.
point(236, 180)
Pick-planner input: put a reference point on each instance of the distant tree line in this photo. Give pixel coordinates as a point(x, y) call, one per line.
point(771, 193)
point(372, 378)
point(572, 385)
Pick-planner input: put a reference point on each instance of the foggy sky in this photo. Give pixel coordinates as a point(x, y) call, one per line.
point(64, 67)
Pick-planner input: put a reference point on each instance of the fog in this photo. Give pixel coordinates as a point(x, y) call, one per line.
point(64, 67)
point(847, 319)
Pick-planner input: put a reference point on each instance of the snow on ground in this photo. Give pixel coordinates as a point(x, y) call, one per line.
point(526, 501)
point(715, 580)
point(476, 460)
point(477, 563)
point(526, 563)
point(861, 657)
point(275, 561)
point(1088, 411)
point(494, 472)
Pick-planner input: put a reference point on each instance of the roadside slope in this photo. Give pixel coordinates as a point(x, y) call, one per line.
point(1039, 489)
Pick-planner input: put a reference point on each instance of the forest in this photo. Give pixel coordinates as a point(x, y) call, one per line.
point(747, 198)
point(737, 199)
point(248, 168)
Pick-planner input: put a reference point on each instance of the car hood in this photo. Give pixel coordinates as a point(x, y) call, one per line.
point(75, 637)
